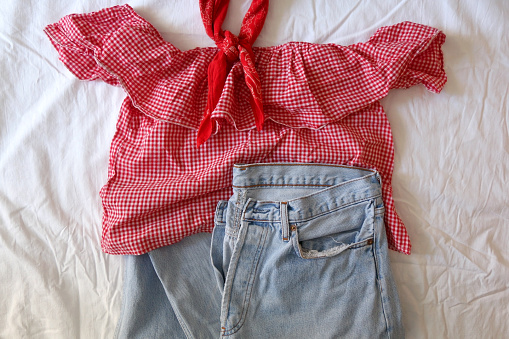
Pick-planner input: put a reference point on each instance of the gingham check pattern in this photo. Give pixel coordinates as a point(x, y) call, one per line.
point(321, 104)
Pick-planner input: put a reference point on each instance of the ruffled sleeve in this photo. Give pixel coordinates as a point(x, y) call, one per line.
point(404, 55)
point(117, 46)
point(312, 85)
point(303, 85)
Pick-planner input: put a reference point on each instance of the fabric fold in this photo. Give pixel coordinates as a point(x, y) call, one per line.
point(231, 49)
point(172, 85)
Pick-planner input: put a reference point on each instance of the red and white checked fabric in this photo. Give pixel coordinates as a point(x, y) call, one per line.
point(321, 105)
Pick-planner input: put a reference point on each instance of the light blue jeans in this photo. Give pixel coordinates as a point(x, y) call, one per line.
point(299, 251)
point(170, 293)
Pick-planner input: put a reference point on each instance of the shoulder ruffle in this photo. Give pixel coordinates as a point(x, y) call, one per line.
point(304, 85)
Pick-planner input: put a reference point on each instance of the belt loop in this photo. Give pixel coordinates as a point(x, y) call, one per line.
point(240, 205)
point(285, 229)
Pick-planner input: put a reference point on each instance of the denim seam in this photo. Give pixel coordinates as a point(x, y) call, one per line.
point(180, 319)
point(306, 185)
point(232, 269)
point(379, 280)
point(285, 185)
point(228, 283)
point(243, 167)
point(249, 289)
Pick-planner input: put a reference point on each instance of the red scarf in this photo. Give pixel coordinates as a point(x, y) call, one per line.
point(231, 49)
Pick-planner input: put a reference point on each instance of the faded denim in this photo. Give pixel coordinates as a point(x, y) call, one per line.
point(300, 251)
point(170, 293)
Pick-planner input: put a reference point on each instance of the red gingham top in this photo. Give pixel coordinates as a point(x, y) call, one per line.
point(321, 105)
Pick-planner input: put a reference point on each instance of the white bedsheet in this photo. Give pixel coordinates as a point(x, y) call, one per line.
point(450, 178)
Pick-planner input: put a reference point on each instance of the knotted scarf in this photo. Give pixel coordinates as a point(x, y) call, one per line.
point(231, 49)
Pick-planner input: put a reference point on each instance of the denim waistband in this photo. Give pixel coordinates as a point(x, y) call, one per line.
point(331, 187)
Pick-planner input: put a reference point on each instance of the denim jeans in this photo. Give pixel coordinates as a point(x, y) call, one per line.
point(170, 293)
point(298, 251)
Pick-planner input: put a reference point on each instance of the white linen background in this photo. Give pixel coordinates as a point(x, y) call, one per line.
point(450, 176)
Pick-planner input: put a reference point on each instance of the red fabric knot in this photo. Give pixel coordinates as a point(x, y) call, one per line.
point(231, 49)
point(229, 46)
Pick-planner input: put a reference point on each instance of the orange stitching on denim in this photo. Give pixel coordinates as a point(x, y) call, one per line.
point(283, 185)
point(244, 167)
